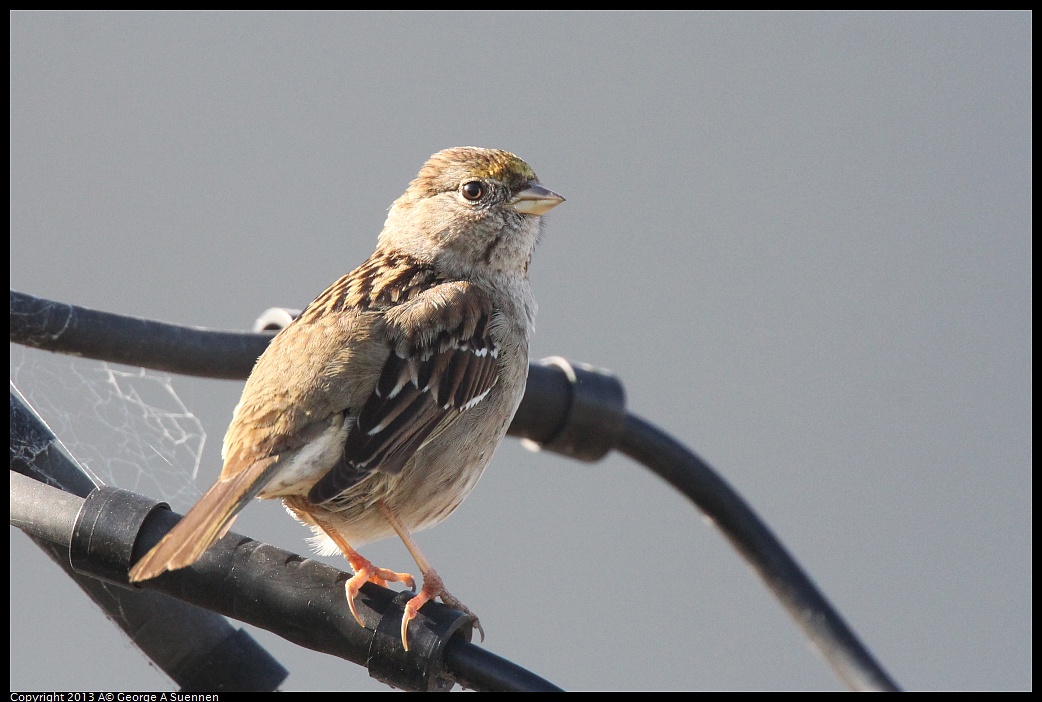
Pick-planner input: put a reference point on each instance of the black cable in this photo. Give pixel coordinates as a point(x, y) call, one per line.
point(681, 468)
point(299, 599)
point(64, 328)
point(182, 640)
point(104, 336)
point(477, 669)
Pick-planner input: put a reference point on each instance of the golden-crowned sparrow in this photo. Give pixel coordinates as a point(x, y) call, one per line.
point(377, 409)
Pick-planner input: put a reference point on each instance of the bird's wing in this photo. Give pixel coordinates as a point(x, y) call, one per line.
point(443, 361)
point(298, 391)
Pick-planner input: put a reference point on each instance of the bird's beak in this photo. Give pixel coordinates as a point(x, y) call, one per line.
point(535, 200)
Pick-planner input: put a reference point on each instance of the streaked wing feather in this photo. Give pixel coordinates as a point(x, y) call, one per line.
point(428, 379)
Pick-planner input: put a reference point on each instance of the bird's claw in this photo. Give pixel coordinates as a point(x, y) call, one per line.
point(434, 587)
point(366, 572)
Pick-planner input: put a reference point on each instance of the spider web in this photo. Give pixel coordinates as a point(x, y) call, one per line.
point(125, 425)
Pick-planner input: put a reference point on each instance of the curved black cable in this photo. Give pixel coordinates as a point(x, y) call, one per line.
point(104, 336)
point(681, 468)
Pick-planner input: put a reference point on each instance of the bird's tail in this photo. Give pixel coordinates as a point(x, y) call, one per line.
point(206, 522)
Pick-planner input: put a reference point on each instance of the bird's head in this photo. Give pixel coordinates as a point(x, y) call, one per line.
point(470, 212)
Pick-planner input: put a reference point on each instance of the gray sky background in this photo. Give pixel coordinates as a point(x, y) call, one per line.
point(803, 241)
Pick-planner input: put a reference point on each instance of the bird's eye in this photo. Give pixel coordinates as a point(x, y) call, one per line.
point(472, 190)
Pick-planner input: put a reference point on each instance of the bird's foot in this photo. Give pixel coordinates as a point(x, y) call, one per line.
point(434, 587)
point(366, 572)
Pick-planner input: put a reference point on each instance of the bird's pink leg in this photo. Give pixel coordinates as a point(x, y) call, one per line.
point(365, 571)
point(433, 586)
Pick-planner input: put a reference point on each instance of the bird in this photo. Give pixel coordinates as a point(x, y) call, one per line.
point(377, 409)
